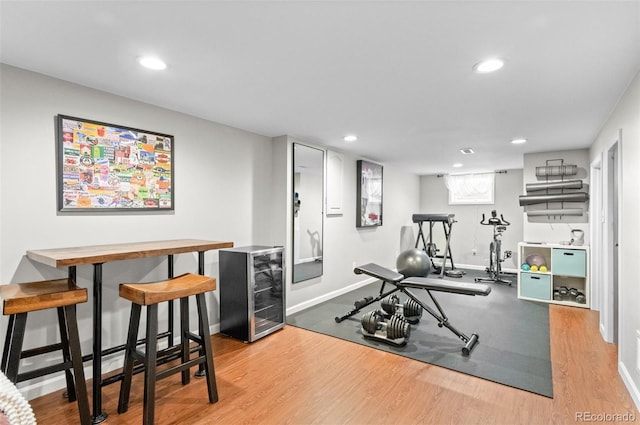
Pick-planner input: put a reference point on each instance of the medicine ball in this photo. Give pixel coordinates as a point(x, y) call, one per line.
point(536, 260)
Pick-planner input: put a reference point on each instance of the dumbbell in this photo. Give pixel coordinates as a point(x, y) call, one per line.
point(375, 325)
point(410, 310)
point(560, 293)
point(577, 296)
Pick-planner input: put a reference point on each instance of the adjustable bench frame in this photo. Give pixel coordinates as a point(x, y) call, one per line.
point(390, 277)
point(403, 285)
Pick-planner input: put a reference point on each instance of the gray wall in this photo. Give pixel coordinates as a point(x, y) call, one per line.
point(208, 157)
point(235, 185)
point(346, 246)
point(557, 229)
point(230, 185)
point(467, 233)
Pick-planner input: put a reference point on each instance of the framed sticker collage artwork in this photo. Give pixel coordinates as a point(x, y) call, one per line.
point(107, 167)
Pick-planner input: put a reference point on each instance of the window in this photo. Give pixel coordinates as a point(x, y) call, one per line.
point(470, 188)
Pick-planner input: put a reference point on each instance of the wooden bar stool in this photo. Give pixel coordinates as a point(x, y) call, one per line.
point(149, 295)
point(21, 298)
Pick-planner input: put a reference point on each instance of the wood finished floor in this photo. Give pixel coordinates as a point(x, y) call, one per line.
point(299, 377)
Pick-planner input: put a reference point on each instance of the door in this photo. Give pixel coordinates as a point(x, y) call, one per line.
point(597, 219)
point(609, 245)
point(613, 159)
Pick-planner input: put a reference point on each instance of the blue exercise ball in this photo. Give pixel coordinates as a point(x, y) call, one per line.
point(413, 262)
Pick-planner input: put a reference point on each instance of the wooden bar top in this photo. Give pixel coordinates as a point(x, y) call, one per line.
point(75, 256)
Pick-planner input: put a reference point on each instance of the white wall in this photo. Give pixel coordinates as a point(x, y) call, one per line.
point(467, 233)
point(235, 185)
point(626, 119)
point(230, 185)
point(346, 246)
point(221, 179)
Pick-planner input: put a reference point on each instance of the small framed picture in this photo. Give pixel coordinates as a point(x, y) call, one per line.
point(369, 194)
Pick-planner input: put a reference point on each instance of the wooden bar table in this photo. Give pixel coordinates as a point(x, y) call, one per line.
point(97, 255)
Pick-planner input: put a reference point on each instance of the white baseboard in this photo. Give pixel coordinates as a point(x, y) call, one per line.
point(325, 297)
point(628, 382)
point(476, 267)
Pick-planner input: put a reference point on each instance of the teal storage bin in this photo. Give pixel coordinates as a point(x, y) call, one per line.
point(535, 285)
point(569, 262)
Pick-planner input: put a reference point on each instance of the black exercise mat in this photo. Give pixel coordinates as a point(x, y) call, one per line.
point(513, 347)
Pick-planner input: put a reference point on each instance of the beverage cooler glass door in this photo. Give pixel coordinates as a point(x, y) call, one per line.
point(268, 294)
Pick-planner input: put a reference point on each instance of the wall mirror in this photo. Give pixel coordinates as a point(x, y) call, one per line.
point(308, 213)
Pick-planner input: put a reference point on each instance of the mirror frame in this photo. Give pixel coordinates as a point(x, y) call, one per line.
point(296, 203)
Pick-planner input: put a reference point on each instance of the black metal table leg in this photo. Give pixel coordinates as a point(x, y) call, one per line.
point(201, 262)
point(201, 372)
point(171, 311)
point(98, 415)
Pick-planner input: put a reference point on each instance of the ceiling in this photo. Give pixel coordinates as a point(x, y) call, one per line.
point(396, 73)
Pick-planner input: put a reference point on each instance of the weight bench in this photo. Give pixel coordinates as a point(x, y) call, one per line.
point(429, 284)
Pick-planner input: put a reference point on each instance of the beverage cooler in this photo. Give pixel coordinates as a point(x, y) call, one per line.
point(252, 297)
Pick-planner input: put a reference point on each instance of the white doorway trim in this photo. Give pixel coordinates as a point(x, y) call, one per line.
point(612, 173)
point(596, 280)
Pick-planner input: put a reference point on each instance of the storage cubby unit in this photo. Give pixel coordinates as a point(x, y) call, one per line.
point(567, 267)
point(252, 297)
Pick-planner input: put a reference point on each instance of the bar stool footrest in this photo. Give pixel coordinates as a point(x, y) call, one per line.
point(179, 368)
point(43, 371)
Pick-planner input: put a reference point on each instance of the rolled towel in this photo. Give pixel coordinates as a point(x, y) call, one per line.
point(13, 404)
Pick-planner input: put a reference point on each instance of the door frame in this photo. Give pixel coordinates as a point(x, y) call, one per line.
point(610, 312)
point(596, 233)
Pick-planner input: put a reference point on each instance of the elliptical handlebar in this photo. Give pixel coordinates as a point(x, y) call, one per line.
point(494, 220)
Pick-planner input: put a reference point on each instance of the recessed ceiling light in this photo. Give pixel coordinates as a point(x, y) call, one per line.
point(488, 65)
point(519, 141)
point(457, 165)
point(152, 62)
point(466, 151)
point(350, 138)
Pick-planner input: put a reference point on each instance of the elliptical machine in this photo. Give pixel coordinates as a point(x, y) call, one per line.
point(495, 255)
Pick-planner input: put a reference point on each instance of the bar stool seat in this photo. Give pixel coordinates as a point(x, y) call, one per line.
point(18, 300)
point(149, 295)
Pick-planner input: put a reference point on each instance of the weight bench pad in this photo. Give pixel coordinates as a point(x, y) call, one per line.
point(379, 272)
point(441, 285)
